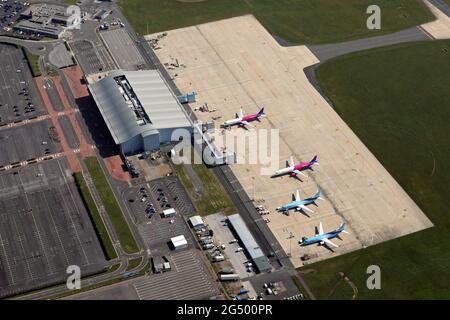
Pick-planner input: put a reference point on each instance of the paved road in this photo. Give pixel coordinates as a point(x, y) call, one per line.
point(327, 51)
point(441, 5)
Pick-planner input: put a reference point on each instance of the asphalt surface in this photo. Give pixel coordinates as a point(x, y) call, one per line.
point(327, 51)
point(44, 228)
point(122, 48)
point(441, 5)
point(155, 230)
point(17, 88)
point(27, 142)
point(9, 13)
point(53, 95)
point(188, 280)
point(69, 132)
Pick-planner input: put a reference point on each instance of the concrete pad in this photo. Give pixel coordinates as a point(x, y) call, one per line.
point(439, 28)
point(224, 235)
point(236, 62)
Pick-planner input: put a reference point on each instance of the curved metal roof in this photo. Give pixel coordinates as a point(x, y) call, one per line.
point(158, 101)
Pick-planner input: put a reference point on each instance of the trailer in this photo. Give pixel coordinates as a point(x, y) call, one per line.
point(229, 277)
point(187, 98)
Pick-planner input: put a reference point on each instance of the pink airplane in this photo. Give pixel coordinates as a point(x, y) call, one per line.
point(295, 169)
point(242, 120)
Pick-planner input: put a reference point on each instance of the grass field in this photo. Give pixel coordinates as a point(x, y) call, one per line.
point(95, 216)
point(112, 207)
point(297, 21)
point(214, 198)
point(33, 61)
point(397, 100)
point(133, 263)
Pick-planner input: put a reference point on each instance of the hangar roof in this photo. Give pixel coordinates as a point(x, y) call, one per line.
point(253, 249)
point(137, 103)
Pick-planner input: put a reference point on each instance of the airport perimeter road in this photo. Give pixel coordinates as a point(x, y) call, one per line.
point(441, 5)
point(327, 51)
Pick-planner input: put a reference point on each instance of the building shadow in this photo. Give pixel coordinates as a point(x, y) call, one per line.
point(98, 130)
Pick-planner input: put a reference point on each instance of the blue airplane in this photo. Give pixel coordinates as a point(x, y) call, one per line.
point(299, 204)
point(323, 238)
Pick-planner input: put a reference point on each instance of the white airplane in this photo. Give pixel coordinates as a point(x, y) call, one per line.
point(295, 169)
point(243, 120)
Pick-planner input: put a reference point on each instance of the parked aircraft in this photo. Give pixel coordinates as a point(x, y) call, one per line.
point(299, 204)
point(243, 120)
point(295, 169)
point(323, 238)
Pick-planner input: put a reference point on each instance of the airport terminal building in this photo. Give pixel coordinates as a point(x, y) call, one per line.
point(139, 108)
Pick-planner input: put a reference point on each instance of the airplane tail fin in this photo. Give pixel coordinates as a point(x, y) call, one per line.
point(317, 195)
point(313, 160)
point(261, 112)
point(341, 228)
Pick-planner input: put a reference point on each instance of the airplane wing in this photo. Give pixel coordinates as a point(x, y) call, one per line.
point(245, 123)
point(300, 173)
point(292, 161)
point(320, 228)
point(302, 207)
point(241, 113)
point(297, 195)
point(328, 242)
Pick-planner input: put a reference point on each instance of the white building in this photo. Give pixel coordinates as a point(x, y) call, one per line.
point(140, 110)
point(179, 242)
point(196, 222)
point(168, 213)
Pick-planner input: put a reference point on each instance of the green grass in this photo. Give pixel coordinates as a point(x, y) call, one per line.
point(114, 267)
point(300, 287)
point(112, 207)
point(214, 198)
point(397, 100)
point(33, 62)
point(95, 216)
point(133, 263)
point(298, 21)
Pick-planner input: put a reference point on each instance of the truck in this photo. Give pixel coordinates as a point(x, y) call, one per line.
point(168, 213)
point(208, 246)
point(187, 98)
point(207, 241)
point(219, 258)
point(226, 270)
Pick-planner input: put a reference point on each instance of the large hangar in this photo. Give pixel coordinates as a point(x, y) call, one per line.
point(139, 108)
